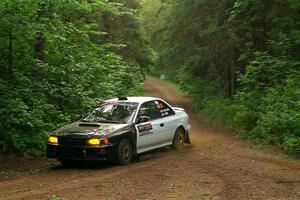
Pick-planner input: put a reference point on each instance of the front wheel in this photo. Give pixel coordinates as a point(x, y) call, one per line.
point(178, 140)
point(125, 152)
point(67, 163)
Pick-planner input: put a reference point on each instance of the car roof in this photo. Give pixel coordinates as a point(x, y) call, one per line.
point(134, 99)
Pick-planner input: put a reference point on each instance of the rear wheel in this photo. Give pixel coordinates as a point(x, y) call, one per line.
point(125, 152)
point(178, 140)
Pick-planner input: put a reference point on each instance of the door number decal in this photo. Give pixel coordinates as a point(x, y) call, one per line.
point(145, 129)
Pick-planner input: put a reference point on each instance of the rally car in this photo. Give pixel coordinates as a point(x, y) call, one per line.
point(119, 129)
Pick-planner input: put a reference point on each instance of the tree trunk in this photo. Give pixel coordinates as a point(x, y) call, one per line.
point(7, 69)
point(39, 47)
point(105, 27)
point(232, 81)
point(10, 51)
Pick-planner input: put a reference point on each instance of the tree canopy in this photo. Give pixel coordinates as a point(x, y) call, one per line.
point(238, 59)
point(60, 58)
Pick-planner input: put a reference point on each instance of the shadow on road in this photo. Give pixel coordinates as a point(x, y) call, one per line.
point(103, 165)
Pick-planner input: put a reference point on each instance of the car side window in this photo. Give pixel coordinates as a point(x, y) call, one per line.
point(155, 110)
point(149, 109)
point(164, 109)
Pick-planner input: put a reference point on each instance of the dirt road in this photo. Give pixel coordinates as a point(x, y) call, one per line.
point(215, 166)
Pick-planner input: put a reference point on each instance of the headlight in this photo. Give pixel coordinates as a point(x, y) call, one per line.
point(94, 142)
point(53, 140)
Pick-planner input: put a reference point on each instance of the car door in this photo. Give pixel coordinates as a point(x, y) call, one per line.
point(148, 132)
point(168, 122)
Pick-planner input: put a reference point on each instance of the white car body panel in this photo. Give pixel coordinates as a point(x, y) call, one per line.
point(161, 131)
point(160, 135)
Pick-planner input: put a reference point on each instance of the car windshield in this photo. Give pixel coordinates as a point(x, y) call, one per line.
point(112, 112)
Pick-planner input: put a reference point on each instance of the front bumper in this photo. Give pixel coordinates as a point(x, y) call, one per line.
point(82, 153)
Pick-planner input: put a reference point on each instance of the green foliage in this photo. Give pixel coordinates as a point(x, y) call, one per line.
point(57, 61)
point(238, 59)
point(267, 106)
point(292, 144)
point(202, 91)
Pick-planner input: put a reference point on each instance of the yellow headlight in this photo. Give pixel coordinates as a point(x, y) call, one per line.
point(93, 142)
point(53, 140)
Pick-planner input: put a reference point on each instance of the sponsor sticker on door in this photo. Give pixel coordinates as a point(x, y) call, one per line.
point(145, 129)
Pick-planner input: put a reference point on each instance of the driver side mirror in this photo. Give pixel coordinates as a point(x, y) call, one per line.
point(142, 119)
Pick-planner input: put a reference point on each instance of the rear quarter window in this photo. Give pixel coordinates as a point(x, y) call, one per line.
point(164, 109)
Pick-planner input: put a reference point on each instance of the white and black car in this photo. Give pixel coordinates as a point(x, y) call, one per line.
point(120, 129)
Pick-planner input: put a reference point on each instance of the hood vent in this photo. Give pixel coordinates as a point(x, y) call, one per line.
point(89, 124)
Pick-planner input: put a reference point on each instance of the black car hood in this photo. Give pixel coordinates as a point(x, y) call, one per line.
point(91, 129)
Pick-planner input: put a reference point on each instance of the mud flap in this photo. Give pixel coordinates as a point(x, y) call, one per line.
point(187, 139)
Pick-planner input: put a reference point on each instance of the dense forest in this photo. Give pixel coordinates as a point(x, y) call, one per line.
point(238, 59)
point(59, 59)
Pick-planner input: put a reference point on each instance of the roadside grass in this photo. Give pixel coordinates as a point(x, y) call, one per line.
point(173, 85)
point(145, 93)
point(54, 197)
point(270, 151)
point(141, 91)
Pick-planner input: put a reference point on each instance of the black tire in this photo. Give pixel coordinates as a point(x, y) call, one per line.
point(178, 139)
point(125, 152)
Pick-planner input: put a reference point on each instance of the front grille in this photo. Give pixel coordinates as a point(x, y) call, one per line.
point(70, 153)
point(71, 141)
